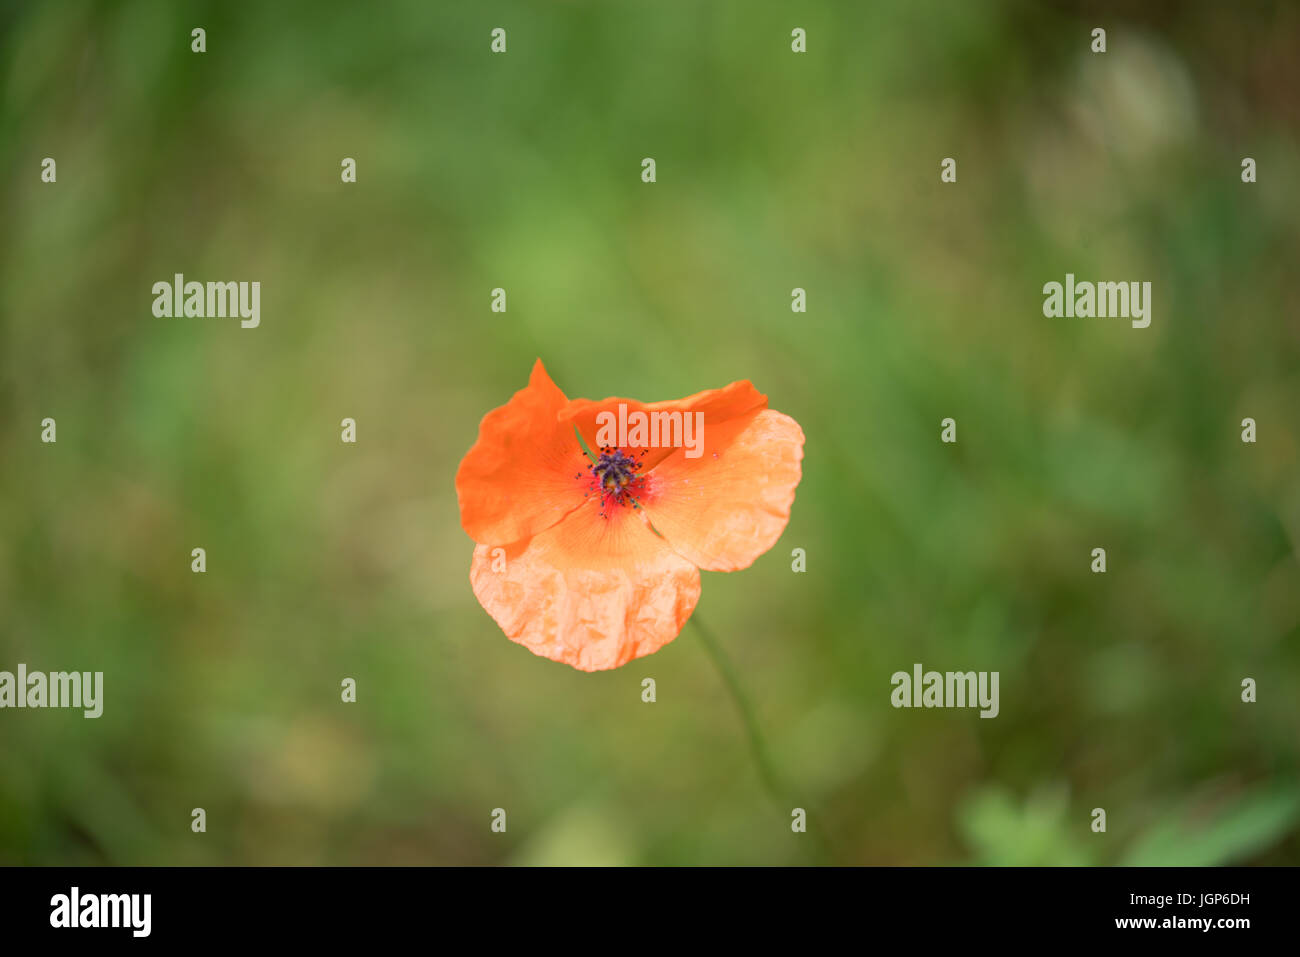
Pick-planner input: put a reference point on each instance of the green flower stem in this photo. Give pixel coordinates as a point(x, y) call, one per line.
point(583, 442)
point(766, 770)
point(757, 744)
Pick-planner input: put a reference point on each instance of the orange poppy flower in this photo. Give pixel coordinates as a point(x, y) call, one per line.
point(595, 563)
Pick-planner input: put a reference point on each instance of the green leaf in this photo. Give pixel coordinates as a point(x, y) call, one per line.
point(1004, 833)
point(1252, 824)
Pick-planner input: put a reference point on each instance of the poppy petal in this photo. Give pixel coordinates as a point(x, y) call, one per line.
point(730, 505)
point(717, 406)
point(590, 592)
point(521, 476)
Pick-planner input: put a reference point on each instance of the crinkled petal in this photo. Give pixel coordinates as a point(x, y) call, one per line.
point(591, 592)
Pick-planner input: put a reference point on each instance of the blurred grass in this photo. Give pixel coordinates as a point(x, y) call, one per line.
point(774, 171)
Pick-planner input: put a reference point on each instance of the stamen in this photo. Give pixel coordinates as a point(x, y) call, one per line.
point(615, 478)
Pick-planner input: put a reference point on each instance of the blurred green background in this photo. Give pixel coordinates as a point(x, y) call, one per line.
point(775, 170)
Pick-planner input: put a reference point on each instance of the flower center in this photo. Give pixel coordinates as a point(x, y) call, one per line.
point(616, 478)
